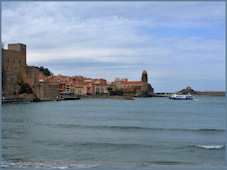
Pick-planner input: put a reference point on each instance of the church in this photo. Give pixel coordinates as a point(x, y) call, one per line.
point(134, 88)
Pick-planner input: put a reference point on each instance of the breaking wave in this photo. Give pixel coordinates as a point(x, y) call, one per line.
point(48, 164)
point(210, 146)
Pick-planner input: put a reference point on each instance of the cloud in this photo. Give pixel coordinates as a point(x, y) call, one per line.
point(116, 39)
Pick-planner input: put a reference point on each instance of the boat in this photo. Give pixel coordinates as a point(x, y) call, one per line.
point(181, 97)
point(71, 98)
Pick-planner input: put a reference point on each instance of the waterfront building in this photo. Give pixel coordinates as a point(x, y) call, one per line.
point(134, 88)
point(79, 89)
point(100, 86)
point(89, 88)
point(118, 82)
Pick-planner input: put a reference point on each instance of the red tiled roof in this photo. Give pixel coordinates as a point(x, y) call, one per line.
point(73, 84)
point(42, 77)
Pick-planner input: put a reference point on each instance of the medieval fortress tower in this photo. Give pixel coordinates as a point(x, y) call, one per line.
point(20, 80)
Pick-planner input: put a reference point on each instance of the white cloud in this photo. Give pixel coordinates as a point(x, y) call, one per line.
point(146, 35)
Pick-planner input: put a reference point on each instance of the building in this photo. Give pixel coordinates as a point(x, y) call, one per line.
point(79, 89)
point(133, 88)
point(144, 84)
point(20, 80)
point(42, 76)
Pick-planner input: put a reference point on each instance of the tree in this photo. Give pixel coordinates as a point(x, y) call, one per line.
point(109, 88)
point(45, 71)
point(41, 68)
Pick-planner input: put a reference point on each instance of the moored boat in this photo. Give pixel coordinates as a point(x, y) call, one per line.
point(71, 98)
point(181, 97)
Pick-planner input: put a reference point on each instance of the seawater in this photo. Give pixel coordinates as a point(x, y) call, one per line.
point(108, 133)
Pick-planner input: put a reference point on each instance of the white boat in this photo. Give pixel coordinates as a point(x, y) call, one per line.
point(181, 97)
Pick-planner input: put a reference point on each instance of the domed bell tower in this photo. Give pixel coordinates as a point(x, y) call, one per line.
point(144, 76)
point(144, 87)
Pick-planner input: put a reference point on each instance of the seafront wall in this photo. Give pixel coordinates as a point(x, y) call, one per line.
point(48, 91)
point(200, 94)
point(210, 94)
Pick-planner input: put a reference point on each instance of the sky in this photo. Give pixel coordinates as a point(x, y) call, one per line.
point(179, 44)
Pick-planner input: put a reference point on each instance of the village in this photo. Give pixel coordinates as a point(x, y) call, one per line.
point(23, 82)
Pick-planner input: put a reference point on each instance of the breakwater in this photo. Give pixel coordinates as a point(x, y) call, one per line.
point(198, 94)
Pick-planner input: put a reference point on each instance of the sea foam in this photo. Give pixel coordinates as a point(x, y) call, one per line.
point(211, 146)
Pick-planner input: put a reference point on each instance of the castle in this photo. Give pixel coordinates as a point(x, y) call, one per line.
point(22, 81)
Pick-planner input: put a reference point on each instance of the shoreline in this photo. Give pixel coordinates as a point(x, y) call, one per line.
point(109, 97)
point(28, 100)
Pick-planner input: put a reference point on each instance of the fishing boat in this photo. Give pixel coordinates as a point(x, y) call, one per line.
point(181, 97)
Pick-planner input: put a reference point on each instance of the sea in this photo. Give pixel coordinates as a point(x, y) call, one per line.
point(108, 133)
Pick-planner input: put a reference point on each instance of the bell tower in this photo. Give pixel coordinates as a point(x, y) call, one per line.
point(144, 87)
point(144, 76)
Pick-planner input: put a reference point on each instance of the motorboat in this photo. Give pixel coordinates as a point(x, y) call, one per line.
point(181, 97)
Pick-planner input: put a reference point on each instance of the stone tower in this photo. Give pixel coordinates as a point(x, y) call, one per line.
point(144, 76)
point(144, 87)
point(15, 72)
point(12, 60)
point(17, 47)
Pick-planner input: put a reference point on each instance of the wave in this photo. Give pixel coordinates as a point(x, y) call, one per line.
point(210, 146)
point(136, 146)
point(135, 128)
point(73, 164)
point(107, 145)
point(38, 164)
point(47, 164)
point(211, 130)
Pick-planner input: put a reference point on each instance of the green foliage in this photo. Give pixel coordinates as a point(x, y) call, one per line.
point(109, 88)
point(41, 68)
point(45, 71)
